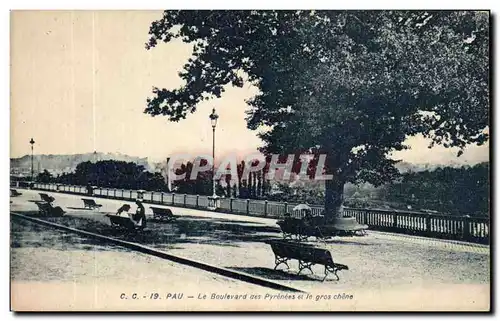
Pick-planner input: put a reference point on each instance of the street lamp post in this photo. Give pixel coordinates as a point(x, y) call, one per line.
point(213, 119)
point(32, 142)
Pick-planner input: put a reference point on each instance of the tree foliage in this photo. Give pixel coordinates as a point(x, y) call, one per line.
point(201, 184)
point(350, 84)
point(45, 177)
point(458, 191)
point(114, 174)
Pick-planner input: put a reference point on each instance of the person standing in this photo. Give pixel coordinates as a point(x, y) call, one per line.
point(139, 217)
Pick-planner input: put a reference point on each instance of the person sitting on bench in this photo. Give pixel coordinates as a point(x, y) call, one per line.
point(308, 218)
point(123, 208)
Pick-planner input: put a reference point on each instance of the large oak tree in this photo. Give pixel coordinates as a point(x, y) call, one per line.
point(350, 84)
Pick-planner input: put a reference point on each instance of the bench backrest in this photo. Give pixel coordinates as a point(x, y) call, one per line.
point(160, 210)
point(302, 252)
point(44, 206)
point(89, 201)
point(46, 197)
point(290, 224)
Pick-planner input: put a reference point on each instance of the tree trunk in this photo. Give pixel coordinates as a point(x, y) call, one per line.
point(334, 195)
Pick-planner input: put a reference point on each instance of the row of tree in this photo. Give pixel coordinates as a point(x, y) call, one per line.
point(456, 191)
point(109, 173)
point(129, 175)
point(253, 186)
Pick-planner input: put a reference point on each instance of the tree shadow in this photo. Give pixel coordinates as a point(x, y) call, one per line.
point(224, 220)
point(203, 231)
point(184, 229)
point(282, 275)
point(30, 235)
point(79, 208)
point(345, 242)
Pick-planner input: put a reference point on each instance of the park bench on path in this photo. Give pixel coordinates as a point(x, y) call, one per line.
point(90, 204)
point(14, 192)
point(301, 229)
point(46, 209)
point(304, 228)
point(307, 256)
point(46, 198)
point(123, 221)
point(162, 213)
point(119, 220)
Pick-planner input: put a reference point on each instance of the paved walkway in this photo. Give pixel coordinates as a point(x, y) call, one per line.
point(235, 241)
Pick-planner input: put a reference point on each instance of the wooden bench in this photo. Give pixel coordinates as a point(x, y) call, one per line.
point(123, 221)
point(90, 204)
point(306, 255)
point(46, 209)
point(162, 213)
point(46, 198)
point(301, 229)
point(14, 192)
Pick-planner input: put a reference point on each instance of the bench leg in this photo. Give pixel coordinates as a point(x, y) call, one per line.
point(332, 270)
point(278, 260)
point(304, 265)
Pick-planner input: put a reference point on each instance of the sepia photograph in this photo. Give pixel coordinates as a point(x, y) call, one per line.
point(250, 160)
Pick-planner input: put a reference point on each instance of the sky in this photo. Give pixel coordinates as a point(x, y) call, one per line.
point(80, 80)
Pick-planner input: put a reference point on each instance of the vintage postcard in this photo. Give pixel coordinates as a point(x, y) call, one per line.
point(253, 160)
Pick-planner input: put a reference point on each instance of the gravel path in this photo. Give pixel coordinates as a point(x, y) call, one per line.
point(375, 261)
point(42, 254)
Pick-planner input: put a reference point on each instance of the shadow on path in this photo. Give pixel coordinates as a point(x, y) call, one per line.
point(277, 274)
point(166, 234)
point(26, 234)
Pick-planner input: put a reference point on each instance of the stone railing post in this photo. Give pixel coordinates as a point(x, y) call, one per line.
point(467, 230)
point(265, 208)
point(428, 222)
point(248, 206)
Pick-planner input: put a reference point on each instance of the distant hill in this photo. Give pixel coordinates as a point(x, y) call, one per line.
point(405, 167)
point(57, 164)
